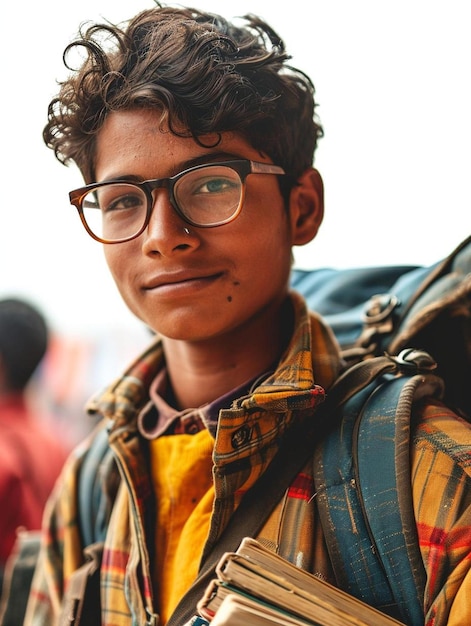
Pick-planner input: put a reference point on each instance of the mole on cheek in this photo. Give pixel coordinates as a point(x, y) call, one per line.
point(236, 284)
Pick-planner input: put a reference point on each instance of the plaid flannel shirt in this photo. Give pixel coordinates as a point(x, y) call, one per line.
point(248, 438)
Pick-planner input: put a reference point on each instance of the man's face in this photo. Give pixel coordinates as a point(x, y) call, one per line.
point(209, 282)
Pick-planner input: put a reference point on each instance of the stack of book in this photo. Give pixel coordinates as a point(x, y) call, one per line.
point(256, 587)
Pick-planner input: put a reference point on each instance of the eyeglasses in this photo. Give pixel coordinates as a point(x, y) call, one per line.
point(205, 196)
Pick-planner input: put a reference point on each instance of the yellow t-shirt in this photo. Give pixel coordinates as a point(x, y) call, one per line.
point(182, 475)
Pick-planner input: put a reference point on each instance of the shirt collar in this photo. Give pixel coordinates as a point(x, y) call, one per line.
point(159, 417)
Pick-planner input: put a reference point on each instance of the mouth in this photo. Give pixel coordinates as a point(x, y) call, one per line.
point(181, 281)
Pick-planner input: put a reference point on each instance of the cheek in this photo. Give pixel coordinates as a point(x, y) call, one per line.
point(269, 240)
point(117, 258)
point(112, 259)
point(262, 257)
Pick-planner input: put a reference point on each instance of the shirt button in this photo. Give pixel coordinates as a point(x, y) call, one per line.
point(192, 428)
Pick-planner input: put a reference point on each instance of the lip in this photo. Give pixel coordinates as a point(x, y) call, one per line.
point(181, 281)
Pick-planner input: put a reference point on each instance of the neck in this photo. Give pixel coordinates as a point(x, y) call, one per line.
point(200, 372)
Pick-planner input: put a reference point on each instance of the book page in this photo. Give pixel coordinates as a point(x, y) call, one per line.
point(240, 611)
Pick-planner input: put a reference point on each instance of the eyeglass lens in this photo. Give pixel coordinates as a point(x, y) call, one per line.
point(204, 196)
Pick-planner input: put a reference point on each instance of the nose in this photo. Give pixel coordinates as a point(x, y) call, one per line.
point(166, 232)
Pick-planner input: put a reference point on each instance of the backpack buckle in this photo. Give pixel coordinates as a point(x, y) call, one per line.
point(411, 360)
point(379, 310)
point(377, 321)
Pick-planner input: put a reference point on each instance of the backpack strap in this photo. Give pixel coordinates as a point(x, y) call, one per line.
point(95, 502)
point(363, 482)
point(81, 602)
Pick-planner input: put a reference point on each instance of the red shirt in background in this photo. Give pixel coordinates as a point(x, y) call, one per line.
point(30, 461)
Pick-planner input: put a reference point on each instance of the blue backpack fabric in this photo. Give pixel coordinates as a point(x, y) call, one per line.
point(377, 310)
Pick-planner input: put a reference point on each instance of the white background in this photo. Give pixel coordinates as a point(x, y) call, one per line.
point(393, 81)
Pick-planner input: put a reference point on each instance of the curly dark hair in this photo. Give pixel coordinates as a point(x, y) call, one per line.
point(205, 74)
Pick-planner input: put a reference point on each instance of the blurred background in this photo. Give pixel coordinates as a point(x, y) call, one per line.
point(394, 91)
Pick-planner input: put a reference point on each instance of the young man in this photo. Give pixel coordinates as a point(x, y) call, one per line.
point(196, 141)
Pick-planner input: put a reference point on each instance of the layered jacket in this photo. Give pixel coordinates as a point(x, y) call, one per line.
point(249, 434)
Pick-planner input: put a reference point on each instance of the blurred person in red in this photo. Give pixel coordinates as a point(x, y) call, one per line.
point(30, 457)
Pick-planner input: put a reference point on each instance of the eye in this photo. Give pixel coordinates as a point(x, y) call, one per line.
point(206, 182)
point(208, 194)
point(120, 198)
point(215, 184)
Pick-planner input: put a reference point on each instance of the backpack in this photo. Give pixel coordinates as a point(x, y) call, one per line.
point(362, 469)
point(372, 311)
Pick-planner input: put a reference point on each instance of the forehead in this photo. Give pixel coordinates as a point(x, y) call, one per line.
point(137, 142)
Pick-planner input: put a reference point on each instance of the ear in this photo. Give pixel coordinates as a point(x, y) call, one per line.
point(306, 207)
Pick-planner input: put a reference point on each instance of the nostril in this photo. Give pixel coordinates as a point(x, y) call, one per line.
point(182, 246)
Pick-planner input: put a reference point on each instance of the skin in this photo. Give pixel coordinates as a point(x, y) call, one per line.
point(215, 295)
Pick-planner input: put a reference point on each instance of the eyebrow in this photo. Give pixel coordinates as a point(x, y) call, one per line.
point(203, 159)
